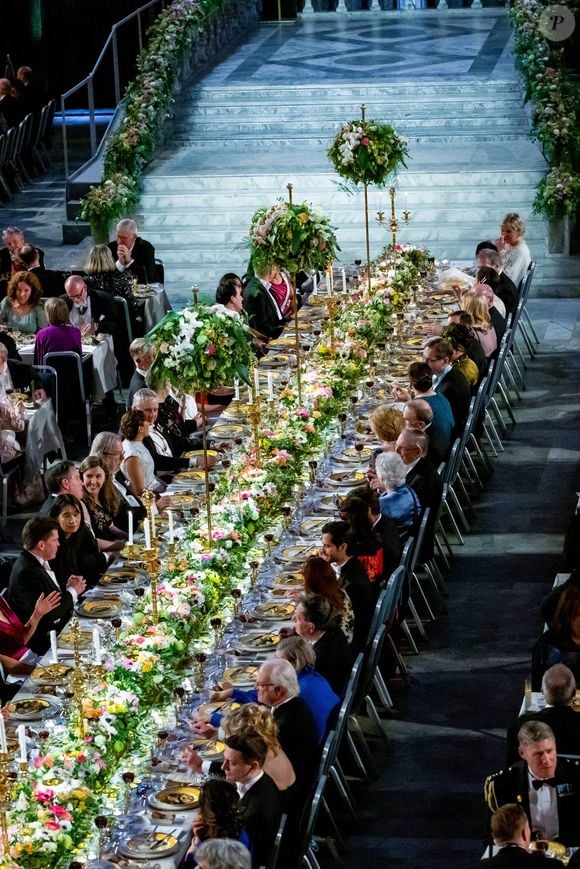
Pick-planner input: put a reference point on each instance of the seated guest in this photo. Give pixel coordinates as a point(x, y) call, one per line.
point(59, 336)
point(447, 380)
point(78, 552)
point(108, 447)
point(14, 240)
point(133, 254)
point(143, 356)
point(260, 802)
point(398, 501)
point(51, 282)
point(32, 576)
point(383, 526)
point(507, 291)
point(338, 549)
point(560, 644)
point(15, 655)
point(365, 542)
point(462, 339)
point(321, 579)
point(513, 250)
point(559, 689)
point(550, 602)
point(512, 835)
point(64, 478)
point(421, 388)
point(316, 622)
point(277, 686)
point(497, 319)
point(91, 311)
point(268, 302)
point(11, 112)
point(222, 854)
point(422, 476)
point(22, 310)
point(103, 502)
point(546, 786)
point(218, 818)
point(386, 423)
point(490, 278)
point(138, 465)
point(475, 304)
point(229, 293)
point(146, 401)
point(101, 274)
point(418, 414)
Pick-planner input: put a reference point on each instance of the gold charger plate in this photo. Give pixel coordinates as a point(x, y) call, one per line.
point(221, 706)
point(226, 430)
point(18, 396)
point(183, 798)
point(193, 475)
point(275, 611)
point(153, 844)
point(279, 360)
point(549, 849)
point(179, 500)
point(289, 580)
point(241, 677)
point(259, 642)
point(65, 640)
point(346, 478)
point(100, 609)
point(51, 673)
point(298, 553)
point(196, 454)
point(312, 524)
point(126, 578)
point(350, 454)
point(327, 504)
point(32, 708)
point(209, 749)
point(317, 300)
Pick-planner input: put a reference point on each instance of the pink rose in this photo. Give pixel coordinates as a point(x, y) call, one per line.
point(364, 140)
point(211, 350)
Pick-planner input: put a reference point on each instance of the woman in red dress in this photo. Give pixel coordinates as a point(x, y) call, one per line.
point(14, 635)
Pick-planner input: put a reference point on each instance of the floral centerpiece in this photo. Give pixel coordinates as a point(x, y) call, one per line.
point(106, 202)
point(199, 349)
point(558, 193)
point(367, 152)
point(292, 238)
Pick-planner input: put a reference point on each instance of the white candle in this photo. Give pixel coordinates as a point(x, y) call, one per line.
point(250, 396)
point(21, 731)
point(343, 274)
point(315, 281)
point(97, 646)
point(153, 523)
point(130, 527)
point(171, 532)
point(53, 648)
point(256, 381)
point(3, 743)
point(147, 531)
point(330, 283)
point(270, 386)
point(236, 389)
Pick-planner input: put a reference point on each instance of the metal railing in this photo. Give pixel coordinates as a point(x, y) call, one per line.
point(88, 82)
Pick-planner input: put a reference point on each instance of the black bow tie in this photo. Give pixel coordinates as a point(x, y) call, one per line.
point(82, 310)
point(538, 782)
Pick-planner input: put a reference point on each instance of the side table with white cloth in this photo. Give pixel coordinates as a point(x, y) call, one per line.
point(153, 302)
point(42, 436)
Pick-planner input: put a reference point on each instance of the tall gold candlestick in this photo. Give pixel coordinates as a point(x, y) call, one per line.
point(206, 466)
point(394, 221)
point(256, 418)
point(153, 569)
point(78, 677)
point(367, 232)
point(195, 291)
point(4, 802)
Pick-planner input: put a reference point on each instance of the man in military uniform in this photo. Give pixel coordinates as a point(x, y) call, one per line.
point(545, 786)
point(511, 833)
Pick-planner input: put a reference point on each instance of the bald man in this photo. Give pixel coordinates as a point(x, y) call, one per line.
point(92, 311)
point(132, 253)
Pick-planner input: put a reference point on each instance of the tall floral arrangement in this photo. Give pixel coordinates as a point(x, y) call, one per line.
point(367, 152)
point(292, 238)
point(199, 349)
point(555, 108)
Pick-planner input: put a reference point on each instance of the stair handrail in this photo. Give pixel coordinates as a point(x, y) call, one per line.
point(88, 81)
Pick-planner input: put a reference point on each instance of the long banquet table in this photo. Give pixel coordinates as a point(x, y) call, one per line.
point(266, 518)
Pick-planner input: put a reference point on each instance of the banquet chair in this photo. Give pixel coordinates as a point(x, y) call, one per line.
point(10, 163)
point(74, 405)
point(158, 276)
point(4, 186)
point(6, 473)
point(121, 341)
point(275, 858)
point(23, 155)
point(306, 849)
point(526, 321)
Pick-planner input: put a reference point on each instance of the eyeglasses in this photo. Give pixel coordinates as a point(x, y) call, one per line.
point(114, 455)
point(265, 685)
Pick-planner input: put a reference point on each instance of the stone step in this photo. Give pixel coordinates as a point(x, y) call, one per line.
point(203, 136)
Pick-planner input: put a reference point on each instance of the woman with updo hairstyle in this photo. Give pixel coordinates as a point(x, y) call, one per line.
point(320, 578)
point(138, 462)
point(218, 818)
point(101, 274)
point(560, 644)
point(252, 718)
point(514, 252)
point(476, 305)
point(22, 310)
point(461, 338)
point(78, 553)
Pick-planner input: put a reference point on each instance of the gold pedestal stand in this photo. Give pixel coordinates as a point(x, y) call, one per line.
point(78, 677)
point(393, 223)
point(4, 802)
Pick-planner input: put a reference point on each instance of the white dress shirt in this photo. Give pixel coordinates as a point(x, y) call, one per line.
point(52, 574)
point(543, 809)
point(243, 787)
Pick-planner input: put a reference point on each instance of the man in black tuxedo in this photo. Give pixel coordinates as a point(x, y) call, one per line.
point(337, 549)
point(260, 802)
point(91, 311)
point(505, 287)
point(559, 689)
point(131, 253)
point(51, 282)
point(316, 622)
point(32, 576)
point(13, 238)
point(511, 833)
point(164, 451)
point(277, 686)
point(422, 476)
point(447, 380)
point(545, 785)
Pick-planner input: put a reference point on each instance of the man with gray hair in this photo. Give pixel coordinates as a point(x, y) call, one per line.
point(277, 686)
point(506, 289)
point(546, 786)
point(559, 689)
point(222, 854)
point(418, 414)
point(161, 449)
point(131, 253)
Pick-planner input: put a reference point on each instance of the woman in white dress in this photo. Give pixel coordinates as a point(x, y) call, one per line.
point(514, 252)
point(138, 463)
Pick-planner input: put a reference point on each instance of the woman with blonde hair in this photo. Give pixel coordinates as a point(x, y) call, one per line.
point(513, 250)
point(101, 274)
point(476, 305)
point(253, 718)
point(22, 309)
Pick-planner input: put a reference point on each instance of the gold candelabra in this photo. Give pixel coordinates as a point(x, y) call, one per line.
point(4, 801)
point(255, 414)
point(393, 222)
point(332, 308)
point(148, 498)
point(367, 232)
point(195, 291)
point(78, 677)
point(153, 569)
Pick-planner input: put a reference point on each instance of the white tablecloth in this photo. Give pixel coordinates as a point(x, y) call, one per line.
point(155, 307)
point(103, 360)
point(42, 437)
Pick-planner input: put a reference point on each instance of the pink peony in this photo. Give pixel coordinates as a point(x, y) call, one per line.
point(364, 140)
point(211, 350)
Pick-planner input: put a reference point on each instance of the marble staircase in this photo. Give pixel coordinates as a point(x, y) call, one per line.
point(233, 149)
